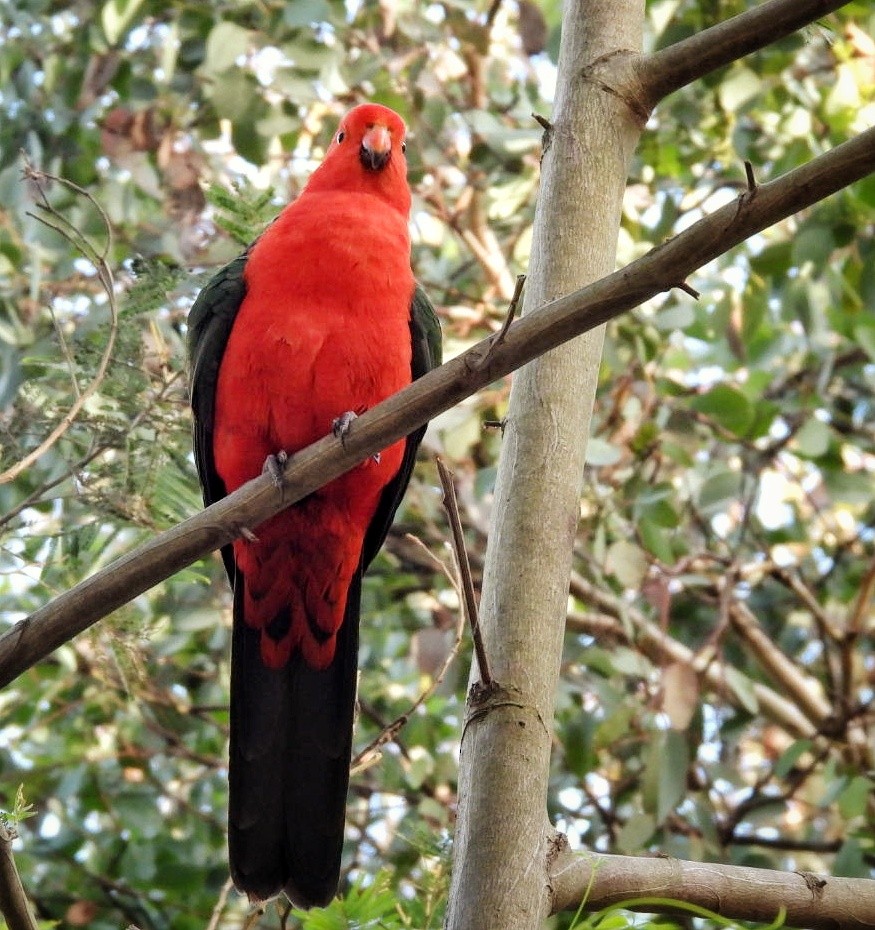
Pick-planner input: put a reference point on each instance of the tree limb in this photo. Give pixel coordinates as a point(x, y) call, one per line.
point(660, 648)
point(13, 901)
point(74, 611)
point(680, 64)
point(812, 901)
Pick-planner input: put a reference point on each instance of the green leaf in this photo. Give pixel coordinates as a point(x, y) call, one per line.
point(116, 16)
point(813, 439)
point(718, 490)
point(680, 316)
point(855, 798)
point(813, 244)
point(635, 833)
point(673, 763)
point(657, 541)
point(850, 861)
point(599, 452)
point(305, 12)
point(627, 563)
point(234, 93)
point(728, 406)
point(225, 44)
point(742, 688)
point(739, 88)
point(790, 757)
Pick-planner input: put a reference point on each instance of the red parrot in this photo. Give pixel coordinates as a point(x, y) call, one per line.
point(320, 317)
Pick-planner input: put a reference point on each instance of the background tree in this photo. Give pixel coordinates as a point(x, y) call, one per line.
point(727, 480)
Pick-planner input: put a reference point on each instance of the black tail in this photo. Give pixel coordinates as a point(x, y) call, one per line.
point(291, 738)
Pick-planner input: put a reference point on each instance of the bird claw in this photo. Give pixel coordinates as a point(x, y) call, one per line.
point(274, 466)
point(247, 534)
point(340, 425)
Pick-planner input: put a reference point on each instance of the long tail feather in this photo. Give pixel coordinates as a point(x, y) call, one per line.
point(291, 739)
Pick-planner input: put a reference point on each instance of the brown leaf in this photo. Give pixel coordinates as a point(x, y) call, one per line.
point(532, 27)
point(680, 694)
point(80, 913)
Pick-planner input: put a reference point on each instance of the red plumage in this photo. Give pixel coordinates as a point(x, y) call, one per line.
point(322, 316)
point(323, 330)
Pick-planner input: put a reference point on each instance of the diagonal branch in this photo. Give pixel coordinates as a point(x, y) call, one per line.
point(661, 648)
point(680, 64)
point(559, 321)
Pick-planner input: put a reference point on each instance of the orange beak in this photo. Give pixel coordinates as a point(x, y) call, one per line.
point(376, 147)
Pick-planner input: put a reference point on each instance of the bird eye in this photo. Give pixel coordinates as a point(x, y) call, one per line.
point(341, 136)
point(403, 146)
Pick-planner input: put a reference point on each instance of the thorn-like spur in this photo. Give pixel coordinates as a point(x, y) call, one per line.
point(274, 466)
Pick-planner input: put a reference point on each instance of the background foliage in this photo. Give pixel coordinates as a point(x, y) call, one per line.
point(726, 552)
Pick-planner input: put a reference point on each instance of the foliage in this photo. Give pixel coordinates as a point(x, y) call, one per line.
point(730, 468)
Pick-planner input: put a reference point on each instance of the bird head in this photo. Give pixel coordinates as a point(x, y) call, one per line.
point(367, 155)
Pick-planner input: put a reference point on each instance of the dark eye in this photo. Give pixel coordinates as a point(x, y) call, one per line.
point(403, 146)
point(341, 136)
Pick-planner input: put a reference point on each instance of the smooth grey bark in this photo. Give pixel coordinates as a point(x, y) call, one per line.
point(503, 841)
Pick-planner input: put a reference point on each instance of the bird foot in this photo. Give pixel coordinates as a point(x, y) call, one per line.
point(274, 466)
point(340, 427)
point(247, 534)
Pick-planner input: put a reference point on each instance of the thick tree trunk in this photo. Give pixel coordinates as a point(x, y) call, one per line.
point(503, 840)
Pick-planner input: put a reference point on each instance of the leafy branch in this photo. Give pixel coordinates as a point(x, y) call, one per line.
point(55, 220)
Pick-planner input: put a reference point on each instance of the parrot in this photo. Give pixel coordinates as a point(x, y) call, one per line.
point(320, 318)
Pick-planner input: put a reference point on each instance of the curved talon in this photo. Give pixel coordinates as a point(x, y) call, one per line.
point(274, 465)
point(247, 534)
point(340, 425)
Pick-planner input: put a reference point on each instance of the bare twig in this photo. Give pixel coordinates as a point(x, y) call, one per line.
point(511, 313)
point(688, 289)
point(395, 418)
point(36, 496)
point(661, 648)
point(370, 753)
point(54, 220)
point(13, 901)
point(852, 634)
point(751, 179)
point(468, 600)
point(221, 901)
point(680, 64)
point(785, 673)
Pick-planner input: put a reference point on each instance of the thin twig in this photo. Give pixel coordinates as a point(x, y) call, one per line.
point(852, 634)
point(751, 178)
point(688, 289)
point(508, 319)
point(104, 273)
point(370, 753)
point(469, 603)
point(221, 901)
point(36, 497)
point(511, 310)
point(13, 900)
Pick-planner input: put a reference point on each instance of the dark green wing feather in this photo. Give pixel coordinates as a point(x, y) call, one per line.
point(209, 325)
point(425, 335)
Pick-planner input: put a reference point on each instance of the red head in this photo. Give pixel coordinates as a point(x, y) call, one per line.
point(367, 156)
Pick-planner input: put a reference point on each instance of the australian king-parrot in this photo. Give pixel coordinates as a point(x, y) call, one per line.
point(320, 317)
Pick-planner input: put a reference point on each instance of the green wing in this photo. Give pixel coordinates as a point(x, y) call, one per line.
point(209, 325)
point(425, 335)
